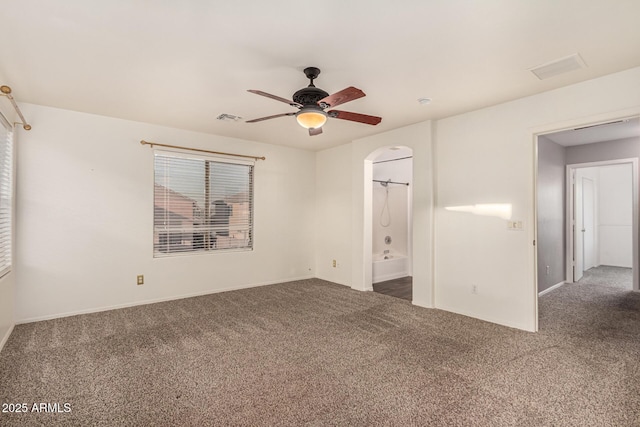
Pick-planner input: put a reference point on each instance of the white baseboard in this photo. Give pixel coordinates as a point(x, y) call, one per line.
point(391, 276)
point(509, 324)
point(155, 300)
point(422, 304)
point(552, 288)
point(6, 337)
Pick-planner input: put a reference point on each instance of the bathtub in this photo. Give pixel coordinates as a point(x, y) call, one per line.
point(394, 267)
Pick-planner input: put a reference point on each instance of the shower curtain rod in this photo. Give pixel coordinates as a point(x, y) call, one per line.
point(6, 91)
point(143, 142)
point(391, 182)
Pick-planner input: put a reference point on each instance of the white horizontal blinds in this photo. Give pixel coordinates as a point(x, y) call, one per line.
point(6, 190)
point(231, 205)
point(201, 204)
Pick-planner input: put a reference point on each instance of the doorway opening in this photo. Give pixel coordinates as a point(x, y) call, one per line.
point(587, 205)
point(602, 206)
point(391, 213)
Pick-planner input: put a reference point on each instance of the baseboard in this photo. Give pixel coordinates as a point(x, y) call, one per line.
point(501, 322)
point(552, 288)
point(155, 300)
point(422, 304)
point(392, 276)
point(6, 337)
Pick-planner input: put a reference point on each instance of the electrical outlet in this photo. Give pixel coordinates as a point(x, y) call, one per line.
point(548, 270)
point(335, 263)
point(140, 279)
point(474, 289)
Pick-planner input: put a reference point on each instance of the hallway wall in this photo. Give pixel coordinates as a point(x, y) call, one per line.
point(551, 192)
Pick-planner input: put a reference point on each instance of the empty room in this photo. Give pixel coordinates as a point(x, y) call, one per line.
point(340, 213)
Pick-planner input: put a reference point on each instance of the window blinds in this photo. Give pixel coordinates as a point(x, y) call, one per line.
point(201, 204)
point(6, 194)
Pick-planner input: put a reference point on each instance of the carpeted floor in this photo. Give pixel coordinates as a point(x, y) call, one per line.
point(319, 354)
point(605, 275)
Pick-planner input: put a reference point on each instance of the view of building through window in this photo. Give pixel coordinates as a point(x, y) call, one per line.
point(201, 205)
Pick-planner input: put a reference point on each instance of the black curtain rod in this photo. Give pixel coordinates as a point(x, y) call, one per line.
point(391, 182)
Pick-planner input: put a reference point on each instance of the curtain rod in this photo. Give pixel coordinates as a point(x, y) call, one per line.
point(143, 142)
point(6, 91)
point(393, 160)
point(390, 182)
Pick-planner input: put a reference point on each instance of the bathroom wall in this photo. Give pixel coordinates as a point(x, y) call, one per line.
point(396, 217)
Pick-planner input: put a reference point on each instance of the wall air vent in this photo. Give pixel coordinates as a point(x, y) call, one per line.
point(558, 66)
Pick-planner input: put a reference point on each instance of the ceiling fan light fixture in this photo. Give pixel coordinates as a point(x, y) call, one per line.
point(311, 118)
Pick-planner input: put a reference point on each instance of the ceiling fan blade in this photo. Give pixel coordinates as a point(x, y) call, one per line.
point(355, 117)
point(345, 95)
point(315, 131)
point(277, 98)
point(270, 117)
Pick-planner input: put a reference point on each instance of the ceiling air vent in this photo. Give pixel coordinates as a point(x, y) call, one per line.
point(558, 66)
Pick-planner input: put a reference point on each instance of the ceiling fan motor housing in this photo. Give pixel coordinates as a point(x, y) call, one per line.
point(309, 96)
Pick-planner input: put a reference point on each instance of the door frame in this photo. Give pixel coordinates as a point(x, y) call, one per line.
point(579, 255)
point(544, 129)
point(589, 213)
point(570, 232)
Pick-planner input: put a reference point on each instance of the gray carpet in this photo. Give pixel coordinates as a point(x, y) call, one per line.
point(605, 275)
point(319, 354)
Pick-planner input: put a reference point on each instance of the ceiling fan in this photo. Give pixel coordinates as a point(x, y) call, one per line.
point(312, 102)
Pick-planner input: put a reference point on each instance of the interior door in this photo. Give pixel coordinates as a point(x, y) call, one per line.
point(588, 224)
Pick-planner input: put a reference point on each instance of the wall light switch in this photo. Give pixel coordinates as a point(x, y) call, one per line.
point(140, 279)
point(514, 225)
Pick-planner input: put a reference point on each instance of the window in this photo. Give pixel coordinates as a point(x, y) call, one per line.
point(201, 204)
point(6, 194)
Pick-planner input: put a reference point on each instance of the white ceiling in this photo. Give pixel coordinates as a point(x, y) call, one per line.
point(600, 132)
point(182, 63)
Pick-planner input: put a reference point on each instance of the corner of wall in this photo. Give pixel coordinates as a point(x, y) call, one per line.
point(7, 308)
point(6, 336)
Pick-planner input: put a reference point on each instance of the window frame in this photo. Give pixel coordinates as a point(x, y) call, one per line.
point(188, 155)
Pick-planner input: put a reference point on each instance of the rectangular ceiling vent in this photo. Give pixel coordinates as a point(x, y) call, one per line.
point(558, 66)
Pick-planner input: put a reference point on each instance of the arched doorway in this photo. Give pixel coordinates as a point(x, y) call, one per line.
point(388, 244)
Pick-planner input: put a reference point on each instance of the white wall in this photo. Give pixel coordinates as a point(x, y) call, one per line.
point(487, 156)
point(85, 208)
point(615, 204)
point(396, 217)
point(341, 195)
point(7, 282)
point(418, 138)
point(333, 215)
